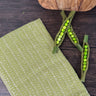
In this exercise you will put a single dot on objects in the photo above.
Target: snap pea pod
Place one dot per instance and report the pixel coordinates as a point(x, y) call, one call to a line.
point(71, 34)
point(74, 39)
point(85, 58)
point(62, 32)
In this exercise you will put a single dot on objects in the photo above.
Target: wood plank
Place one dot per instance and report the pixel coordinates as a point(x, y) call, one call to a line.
point(3, 89)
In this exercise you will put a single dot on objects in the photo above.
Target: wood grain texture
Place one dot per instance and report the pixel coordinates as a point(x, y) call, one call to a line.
point(15, 13)
point(77, 5)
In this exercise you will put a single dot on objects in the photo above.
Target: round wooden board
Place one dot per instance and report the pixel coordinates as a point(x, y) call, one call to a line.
point(68, 5)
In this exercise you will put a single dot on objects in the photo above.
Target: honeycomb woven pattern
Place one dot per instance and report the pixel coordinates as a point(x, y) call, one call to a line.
point(28, 67)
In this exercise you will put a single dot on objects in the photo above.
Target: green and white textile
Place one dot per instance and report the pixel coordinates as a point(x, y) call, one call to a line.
point(28, 67)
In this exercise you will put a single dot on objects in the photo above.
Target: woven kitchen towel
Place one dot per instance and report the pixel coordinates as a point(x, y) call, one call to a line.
point(28, 67)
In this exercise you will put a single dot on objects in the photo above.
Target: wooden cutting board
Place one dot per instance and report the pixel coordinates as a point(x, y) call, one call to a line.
point(68, 5)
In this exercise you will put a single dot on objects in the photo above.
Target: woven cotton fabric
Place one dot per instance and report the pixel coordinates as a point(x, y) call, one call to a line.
point(28, 67)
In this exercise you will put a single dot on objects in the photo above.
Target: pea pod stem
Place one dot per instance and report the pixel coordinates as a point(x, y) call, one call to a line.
point(63, 15)
point(79, 47)
point(84, 71)
point(83, 76)
point(70, 17)
point(85, 38)
point(55, 50)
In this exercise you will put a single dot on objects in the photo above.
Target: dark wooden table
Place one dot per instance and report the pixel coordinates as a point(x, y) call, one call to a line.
point(15, 13)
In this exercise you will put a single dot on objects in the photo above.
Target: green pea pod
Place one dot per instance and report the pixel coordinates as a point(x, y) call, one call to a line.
point(62, 32)
point(70, 32)
point(85, 58)
point(74, 39)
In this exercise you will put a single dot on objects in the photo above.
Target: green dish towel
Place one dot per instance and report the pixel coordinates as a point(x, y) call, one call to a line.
point(28, 67)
